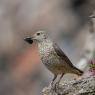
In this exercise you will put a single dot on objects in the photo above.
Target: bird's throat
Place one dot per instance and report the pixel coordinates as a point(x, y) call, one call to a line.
point(45, 48)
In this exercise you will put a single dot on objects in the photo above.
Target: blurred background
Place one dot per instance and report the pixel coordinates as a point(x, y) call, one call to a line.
point(66, 21)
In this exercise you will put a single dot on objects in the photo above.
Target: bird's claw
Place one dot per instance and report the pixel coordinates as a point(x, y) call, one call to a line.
point(56, 86)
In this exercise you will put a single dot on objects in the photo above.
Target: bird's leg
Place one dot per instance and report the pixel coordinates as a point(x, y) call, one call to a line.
point(57, 83)
point(59, 79)
point(51, 85)
point(52, 82)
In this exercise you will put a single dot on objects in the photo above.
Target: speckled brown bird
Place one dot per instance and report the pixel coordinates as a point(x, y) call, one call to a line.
point(52, 56)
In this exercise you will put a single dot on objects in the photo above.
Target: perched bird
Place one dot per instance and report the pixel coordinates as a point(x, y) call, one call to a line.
point(52, 56)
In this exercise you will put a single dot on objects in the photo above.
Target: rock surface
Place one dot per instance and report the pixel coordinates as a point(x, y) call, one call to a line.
point(84, 86)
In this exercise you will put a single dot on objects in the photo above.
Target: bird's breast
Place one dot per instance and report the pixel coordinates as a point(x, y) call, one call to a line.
point(48, 55)
point(45, 49)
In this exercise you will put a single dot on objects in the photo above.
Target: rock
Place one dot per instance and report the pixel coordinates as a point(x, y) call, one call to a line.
point(84, 86)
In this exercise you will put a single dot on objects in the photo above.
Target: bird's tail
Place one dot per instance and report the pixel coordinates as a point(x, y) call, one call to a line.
point(77, 71)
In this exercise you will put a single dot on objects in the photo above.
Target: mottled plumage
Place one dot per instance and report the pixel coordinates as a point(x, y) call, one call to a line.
point(53, 57)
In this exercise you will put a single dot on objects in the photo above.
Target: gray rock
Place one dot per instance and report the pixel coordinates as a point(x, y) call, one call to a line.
point(84, 86)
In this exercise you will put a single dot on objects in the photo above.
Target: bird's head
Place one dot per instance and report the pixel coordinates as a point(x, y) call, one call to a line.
point(38, 36)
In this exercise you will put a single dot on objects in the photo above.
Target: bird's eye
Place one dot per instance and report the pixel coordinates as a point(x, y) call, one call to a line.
point(38, 34)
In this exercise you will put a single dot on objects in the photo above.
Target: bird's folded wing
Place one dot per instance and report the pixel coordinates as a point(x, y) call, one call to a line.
point(62, 54)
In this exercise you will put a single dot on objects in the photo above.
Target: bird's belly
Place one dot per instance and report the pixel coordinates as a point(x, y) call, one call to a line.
point(53, 64)
point(49, 60)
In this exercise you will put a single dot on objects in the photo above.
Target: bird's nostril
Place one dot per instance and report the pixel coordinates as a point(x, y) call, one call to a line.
point(28, 40)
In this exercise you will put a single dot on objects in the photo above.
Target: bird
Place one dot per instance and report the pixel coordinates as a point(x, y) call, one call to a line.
point(52, 56)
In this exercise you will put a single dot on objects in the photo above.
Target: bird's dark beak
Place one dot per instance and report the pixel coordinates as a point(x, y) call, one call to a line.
point(28, 40)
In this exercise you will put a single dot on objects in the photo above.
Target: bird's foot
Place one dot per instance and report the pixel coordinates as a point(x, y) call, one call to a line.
point(52, 86)
point(56, 86)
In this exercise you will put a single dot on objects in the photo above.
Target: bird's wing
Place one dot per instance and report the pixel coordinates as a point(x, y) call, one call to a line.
point(66, 59)
point(62, 54)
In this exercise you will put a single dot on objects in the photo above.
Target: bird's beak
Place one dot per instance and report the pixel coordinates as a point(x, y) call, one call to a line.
point(29, 40)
